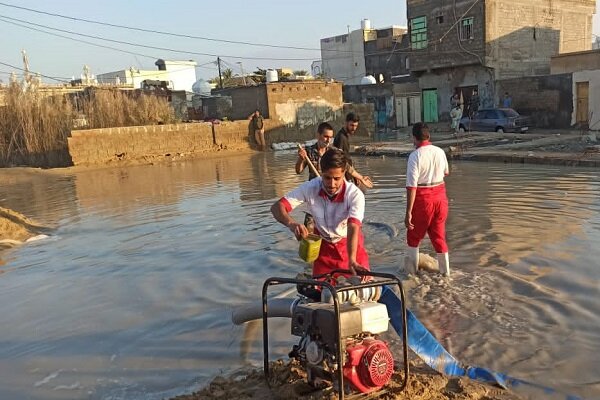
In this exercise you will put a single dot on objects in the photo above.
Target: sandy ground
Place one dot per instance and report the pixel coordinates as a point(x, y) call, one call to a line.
point(557, 147)
point(288, 382)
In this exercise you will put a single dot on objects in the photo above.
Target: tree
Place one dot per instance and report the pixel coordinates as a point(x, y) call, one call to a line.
point(301, 72)
point(227, 74)
point(260, 75)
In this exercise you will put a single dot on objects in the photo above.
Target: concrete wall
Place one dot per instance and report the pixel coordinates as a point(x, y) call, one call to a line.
point(245, 100)
point(97, 146)
point(445, 81)
point(182, 74)
point(343, 57)
point(451, 51)
point(522, 35)
point(548, 99)
point(593, 77)
point(573, 62)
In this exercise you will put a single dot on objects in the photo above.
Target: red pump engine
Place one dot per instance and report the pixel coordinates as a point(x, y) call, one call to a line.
point(369, 365)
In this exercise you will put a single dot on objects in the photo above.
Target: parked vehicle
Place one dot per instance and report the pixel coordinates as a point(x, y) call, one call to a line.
point(495, 120)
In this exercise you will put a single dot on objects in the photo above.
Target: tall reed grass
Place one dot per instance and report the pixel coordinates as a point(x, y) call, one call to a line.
point(34, 125)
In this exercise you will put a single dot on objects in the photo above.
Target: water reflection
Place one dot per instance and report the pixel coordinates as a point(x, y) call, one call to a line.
point(130, 297)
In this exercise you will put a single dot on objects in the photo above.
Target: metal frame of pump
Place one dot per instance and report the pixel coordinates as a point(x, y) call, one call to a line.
point(388, 279)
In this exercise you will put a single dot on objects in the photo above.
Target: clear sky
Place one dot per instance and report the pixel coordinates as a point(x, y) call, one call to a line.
point(300, 24)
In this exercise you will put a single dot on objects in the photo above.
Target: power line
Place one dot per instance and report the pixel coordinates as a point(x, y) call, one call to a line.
point(77, 40)
point(151, 47)
point(96, 44)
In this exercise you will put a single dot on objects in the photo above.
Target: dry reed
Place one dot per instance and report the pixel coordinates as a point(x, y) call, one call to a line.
point(34, 126)
point(112, 108)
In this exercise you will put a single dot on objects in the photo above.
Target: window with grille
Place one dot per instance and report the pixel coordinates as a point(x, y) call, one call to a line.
point(418, 33)
point(466, 29)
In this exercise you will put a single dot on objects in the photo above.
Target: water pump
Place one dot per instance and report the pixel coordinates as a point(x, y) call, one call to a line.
point(339, 344)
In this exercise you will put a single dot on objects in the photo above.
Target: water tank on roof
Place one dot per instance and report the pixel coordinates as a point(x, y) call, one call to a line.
point(368, 80)
point(201, 87)
point(365, 24)
point(272, 75)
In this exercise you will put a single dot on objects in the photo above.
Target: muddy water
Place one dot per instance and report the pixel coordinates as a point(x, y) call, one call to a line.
point(130, 297)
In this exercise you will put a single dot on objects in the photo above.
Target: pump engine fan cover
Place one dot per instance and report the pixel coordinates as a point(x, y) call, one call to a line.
point(369, 366)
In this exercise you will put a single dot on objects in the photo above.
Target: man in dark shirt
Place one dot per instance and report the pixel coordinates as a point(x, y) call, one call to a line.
point(258, 128)
point(342, 141)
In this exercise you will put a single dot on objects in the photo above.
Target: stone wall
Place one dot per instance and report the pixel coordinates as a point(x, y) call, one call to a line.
point(548, 99)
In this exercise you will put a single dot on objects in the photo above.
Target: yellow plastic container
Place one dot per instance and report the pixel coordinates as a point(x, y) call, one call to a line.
point(309, 248)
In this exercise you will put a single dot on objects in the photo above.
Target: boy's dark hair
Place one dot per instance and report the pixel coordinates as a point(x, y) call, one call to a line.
point(334, 158)
point(351, 117)
point(420, 131)
point(324, 126)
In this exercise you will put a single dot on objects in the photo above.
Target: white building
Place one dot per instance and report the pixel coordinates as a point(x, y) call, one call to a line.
point(179, 75)
point(343, 56)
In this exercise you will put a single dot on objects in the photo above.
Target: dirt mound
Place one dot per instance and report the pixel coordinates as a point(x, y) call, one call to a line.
point(288, 382)
point(16, 228)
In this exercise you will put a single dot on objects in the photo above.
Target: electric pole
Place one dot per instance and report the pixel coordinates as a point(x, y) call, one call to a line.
point(220, 77)
point(242, 69)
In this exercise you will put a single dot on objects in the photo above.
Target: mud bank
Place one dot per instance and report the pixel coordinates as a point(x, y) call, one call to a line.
point(288, 382)
point(16, 228)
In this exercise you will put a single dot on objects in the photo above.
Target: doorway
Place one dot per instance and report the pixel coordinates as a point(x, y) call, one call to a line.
point(582, 106)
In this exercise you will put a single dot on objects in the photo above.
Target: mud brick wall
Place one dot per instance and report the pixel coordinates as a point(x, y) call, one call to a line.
point(233, 135)
point(97, 146)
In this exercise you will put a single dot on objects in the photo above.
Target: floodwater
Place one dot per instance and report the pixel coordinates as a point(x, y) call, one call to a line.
point(130, 297)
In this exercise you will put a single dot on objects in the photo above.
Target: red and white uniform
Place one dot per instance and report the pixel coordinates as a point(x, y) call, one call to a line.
point(332, 216)
point(427, 167)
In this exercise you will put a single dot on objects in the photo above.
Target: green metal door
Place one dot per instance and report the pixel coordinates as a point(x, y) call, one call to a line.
point(430, 102)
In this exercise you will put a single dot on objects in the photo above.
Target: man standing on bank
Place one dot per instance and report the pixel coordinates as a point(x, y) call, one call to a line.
point(257, 126)
point(426, 201)
point(342, 142)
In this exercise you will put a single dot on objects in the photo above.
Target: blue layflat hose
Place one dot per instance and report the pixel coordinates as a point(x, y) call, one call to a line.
point(425, 345)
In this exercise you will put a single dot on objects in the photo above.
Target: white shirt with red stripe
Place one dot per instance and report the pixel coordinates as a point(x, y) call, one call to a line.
point(331, 215)
point(427, 166)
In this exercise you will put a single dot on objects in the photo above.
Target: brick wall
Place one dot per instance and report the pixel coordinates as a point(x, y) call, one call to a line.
point(96, 146)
